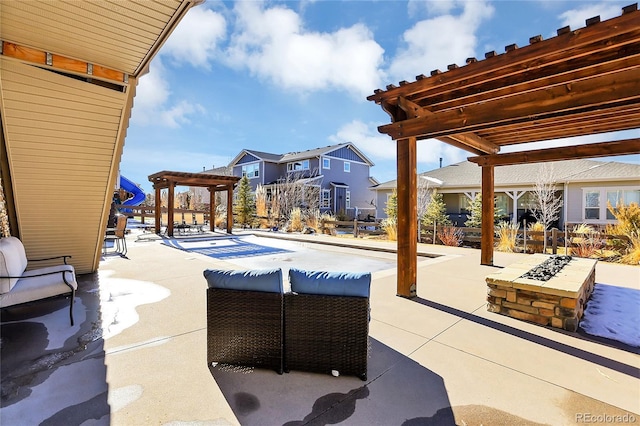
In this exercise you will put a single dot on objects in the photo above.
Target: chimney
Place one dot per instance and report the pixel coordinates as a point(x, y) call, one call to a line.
point(440, 162)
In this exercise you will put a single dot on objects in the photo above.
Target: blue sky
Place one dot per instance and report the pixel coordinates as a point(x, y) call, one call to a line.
point(290, 76)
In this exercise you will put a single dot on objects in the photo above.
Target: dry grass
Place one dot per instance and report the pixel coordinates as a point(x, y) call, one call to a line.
point(633, 255)
point(536, 227)
point(390, 227)
point(261, 207)
point(295, 221)
point(628, 224)
point(451, 236)
point(507, 236)
point(588, 243)
point(221, 220)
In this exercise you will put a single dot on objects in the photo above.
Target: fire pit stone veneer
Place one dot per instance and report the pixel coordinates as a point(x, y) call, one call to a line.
point(558, 302)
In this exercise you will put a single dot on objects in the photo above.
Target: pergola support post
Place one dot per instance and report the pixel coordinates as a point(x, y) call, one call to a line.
point(407, 217)
point(170, 202)
point(158, 211)
point(486, 241)
point(212, 209)
point(229, 209)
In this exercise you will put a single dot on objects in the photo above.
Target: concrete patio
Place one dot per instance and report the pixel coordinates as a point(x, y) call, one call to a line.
point(136, 355)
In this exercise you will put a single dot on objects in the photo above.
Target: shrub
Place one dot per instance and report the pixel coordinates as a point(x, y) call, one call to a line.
point(295, 220)
point(633, 253)
point(451, 236)
point(507, 236)
point(390, 227)
point(261, 207)
point(628, 224)
point(327, 225)
point(588, 243)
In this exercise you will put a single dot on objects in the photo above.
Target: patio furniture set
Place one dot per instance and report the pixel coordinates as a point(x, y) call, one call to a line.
point(321, 325)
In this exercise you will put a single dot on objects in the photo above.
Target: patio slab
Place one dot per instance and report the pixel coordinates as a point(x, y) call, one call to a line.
point(138, 353)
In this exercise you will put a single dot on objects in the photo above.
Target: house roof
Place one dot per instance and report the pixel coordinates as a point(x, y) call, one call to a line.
point(299, 155)
point(468, 175)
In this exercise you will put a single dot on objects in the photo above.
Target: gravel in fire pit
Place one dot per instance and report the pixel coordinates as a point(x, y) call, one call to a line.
point(547, 269)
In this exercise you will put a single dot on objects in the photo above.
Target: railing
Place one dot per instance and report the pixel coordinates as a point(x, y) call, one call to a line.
point(180, 215)
point(356, 227)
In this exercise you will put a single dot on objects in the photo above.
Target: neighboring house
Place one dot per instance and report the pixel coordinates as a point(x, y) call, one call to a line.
point(340, 175)
point(584, 185)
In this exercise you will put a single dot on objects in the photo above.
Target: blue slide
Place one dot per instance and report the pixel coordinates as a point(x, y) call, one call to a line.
point(138, 193)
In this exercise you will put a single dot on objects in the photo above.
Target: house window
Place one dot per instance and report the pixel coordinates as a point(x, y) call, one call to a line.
point(251, 171)
point(501, 205)
point(592, 205)
point(347, 200)
point(617, 197)
point(326, 163)
point(465, 204)
point(326, 198)
point(298, 166)
point(347, 167)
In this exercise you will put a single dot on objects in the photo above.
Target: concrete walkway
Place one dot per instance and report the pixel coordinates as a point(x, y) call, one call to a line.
point(137, 353)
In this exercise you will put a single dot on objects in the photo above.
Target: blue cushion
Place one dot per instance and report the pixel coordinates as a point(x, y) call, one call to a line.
point(330, 283)
point(267, 280)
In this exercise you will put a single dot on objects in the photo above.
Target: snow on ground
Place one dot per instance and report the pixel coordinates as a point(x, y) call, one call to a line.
point(614, 313)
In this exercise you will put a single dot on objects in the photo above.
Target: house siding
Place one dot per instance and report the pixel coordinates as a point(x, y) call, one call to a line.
point(345, 153)
point(247, 158)
point(575, 203)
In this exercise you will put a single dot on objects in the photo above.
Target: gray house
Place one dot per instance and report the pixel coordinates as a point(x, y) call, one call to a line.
point(585, 187)
point(339, 173)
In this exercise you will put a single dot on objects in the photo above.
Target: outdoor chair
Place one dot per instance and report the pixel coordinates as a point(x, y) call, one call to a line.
point(118, 236)
point(327, 322)
point(20, 286)
point(245, 318)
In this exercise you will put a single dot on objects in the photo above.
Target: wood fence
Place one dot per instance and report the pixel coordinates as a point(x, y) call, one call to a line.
point(534, 240)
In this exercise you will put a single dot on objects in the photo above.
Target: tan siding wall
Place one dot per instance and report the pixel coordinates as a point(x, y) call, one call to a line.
point(61, 136)
point(117, 33)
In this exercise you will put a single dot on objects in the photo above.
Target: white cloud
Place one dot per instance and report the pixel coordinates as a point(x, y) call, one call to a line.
point(381, 147)
point(274, 45)
point(437, 42)
point(366, 137)
point(151, 105)
point(575, 18)
point(415, 7)
point(195, 40)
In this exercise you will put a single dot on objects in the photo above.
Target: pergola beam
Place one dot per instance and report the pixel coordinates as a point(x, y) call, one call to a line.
point(467, 141)
point(597, 93)
point(602, 149)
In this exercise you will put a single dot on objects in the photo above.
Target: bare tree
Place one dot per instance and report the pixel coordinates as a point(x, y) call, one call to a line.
point(545, 205)
point(423, 196)
point(296, 190)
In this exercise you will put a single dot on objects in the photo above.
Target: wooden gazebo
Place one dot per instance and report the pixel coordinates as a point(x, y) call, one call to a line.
point(578, 83)
point(214, 183)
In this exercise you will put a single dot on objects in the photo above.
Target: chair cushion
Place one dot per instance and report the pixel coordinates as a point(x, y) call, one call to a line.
point(265, 280)
point(33, 286)
point(330, 283)
point(13, 262)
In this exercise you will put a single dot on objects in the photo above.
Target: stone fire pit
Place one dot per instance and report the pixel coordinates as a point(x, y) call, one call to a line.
point(556, 299)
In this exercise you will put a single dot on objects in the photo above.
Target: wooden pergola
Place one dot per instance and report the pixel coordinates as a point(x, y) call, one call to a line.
point(214, 183)
point(578, 83)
